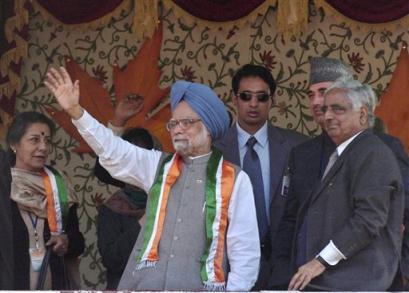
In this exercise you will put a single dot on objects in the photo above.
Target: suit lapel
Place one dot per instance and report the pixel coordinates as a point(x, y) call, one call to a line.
point(313, 156)
point(337, 166)
point(230, 142)
point(278, 158)
point(328, 178)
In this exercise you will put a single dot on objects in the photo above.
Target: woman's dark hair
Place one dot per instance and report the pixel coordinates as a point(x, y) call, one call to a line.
point(23, 121)
point(20, 125)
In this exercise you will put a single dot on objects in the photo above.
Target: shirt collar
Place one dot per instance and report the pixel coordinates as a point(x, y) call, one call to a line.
point(199, 156)
point(261, 135)
point(341, 148)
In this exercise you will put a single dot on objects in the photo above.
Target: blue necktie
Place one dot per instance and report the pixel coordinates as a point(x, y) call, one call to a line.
point(251, 165)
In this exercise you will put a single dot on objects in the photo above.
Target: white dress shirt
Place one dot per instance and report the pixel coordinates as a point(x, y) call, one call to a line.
point(331, 254)
point(262, 150)
point(124, 161)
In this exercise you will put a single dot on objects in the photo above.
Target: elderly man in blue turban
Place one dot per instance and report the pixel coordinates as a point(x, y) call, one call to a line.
point(201, 226)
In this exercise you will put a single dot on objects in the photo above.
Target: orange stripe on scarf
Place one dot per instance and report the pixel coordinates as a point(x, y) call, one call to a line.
point(227, 184)
point(173, 174)
point(51, 216)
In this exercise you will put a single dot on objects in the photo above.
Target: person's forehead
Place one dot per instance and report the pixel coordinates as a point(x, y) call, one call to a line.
point(183, 110)
point(38, 129)
point(320, 85)
point(337, 96)
point(252, 83)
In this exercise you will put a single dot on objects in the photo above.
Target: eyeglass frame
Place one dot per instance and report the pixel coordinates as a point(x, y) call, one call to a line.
point(184, 123)
point(246, 96)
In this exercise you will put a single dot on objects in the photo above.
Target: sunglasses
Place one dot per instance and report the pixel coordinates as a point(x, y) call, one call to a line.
point(261, 96)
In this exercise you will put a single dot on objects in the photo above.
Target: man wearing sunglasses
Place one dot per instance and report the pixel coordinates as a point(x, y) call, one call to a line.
point(200, 230)
point(253, 89)
point(307, 164)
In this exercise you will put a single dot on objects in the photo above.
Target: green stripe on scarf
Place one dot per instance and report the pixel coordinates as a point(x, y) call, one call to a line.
point(210, 214)
point(62, 194)
point(153, 200)
point(210, 196)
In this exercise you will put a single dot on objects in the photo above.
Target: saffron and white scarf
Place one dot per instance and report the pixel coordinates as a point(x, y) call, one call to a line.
point(220, 176)
point(44, 194)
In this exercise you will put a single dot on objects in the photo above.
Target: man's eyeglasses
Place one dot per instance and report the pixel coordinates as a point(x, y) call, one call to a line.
point(183, 123)
point(261, 96)
point(336, 109)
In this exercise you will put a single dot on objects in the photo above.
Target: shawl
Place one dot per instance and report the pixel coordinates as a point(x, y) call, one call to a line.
point(47, 194)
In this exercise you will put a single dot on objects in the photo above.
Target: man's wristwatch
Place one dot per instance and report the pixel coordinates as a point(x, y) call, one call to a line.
point(322, 261)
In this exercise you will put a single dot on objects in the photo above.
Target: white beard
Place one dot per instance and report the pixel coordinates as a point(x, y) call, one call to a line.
point(181, 146)
point(190, 147)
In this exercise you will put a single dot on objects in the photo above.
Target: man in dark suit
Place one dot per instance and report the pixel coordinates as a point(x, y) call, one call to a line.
point(253, 88)
point(353, 217)
point(6, 243)
point(307, 163)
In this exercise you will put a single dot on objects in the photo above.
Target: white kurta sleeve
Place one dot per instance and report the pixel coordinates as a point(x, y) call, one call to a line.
point(243, 245)
point(123, 160)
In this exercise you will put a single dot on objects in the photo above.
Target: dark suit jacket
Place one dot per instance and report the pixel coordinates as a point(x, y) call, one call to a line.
point(307, 163)
point(280, 143)
point(359, 206)
point(6, 248)
point(396, 146)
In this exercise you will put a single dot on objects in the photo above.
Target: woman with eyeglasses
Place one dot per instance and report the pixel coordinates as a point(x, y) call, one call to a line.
point(44, 209)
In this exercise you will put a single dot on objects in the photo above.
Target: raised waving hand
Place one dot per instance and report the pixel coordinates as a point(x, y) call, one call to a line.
point(65, 91)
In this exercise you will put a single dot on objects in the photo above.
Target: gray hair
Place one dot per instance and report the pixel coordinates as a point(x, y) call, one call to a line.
point(359, 94)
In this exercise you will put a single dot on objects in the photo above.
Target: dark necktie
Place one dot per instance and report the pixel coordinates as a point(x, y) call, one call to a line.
point(251, 165)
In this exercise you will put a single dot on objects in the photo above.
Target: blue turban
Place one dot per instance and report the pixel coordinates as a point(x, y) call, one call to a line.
point(204, 102)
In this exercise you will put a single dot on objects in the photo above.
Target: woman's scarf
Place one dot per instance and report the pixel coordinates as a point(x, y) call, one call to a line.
point(44, 194)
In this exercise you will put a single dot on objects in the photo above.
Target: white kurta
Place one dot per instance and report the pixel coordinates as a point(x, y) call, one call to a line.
point(138, 166)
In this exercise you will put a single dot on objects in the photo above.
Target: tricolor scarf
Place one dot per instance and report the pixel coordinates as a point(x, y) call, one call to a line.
point(220, 176)
point(57, 199)
point(43, 193)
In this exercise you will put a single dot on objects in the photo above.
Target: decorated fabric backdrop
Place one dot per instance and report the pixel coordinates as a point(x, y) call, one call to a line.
point(198, 53)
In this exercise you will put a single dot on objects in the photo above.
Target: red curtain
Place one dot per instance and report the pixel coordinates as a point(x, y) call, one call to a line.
point(219, 10)
point(368, 11)
point(371, 11)
point(79, 11)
